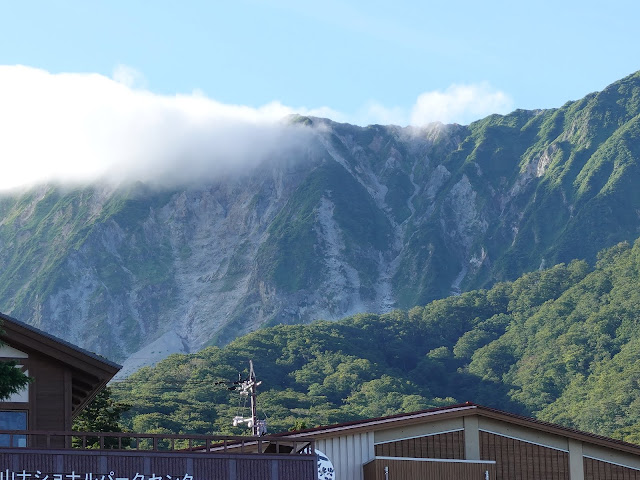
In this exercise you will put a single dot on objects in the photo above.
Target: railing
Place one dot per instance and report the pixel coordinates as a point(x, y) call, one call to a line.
point(146, 456)
point(149, 442)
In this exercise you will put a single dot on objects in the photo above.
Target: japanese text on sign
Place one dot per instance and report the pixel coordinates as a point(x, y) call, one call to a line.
point(38, 475)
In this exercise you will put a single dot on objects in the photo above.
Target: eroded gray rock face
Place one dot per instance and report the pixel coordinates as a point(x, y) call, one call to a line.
point(175, 278)
point(158, 272)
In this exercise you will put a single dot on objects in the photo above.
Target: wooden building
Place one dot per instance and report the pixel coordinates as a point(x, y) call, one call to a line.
point(65, 378)
point(470, 442)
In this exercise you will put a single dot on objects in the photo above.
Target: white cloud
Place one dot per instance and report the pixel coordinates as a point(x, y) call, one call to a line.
point(77, 128)
point(459, 104)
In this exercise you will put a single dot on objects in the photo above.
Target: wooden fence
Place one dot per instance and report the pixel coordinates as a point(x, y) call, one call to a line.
point(128, 456)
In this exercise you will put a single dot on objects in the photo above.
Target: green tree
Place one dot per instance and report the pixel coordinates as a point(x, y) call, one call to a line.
point(101, 415)
point(12, 379)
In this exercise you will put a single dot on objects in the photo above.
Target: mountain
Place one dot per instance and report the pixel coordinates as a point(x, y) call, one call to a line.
point(351, 220)
point(561, 344)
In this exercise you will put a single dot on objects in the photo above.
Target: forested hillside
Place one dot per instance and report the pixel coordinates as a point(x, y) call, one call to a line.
point(560, 344)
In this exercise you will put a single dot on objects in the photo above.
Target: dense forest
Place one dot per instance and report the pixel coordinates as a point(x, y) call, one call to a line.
point(560, 344)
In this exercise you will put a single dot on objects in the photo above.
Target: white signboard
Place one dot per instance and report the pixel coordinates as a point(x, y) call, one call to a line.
point(325, 467)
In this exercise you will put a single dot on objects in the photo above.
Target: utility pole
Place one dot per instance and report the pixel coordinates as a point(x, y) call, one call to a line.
point(254, 406)
point(249, 388)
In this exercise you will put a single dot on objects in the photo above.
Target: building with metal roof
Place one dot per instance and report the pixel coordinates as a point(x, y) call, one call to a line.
point(470, 442)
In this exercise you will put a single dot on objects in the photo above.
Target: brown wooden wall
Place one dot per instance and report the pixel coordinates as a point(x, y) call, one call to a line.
point(598, 470)
point(523, 460)
point(126, 465)
point(417, 470)
point(50, 385)
point(49, 406)
point(445, 445)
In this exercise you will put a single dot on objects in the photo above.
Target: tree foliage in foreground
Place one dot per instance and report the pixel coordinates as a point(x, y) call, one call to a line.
point(103, 414)
point(12, 379)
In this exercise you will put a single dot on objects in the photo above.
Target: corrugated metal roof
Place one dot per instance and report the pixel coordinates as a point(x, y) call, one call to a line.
point(460, 410)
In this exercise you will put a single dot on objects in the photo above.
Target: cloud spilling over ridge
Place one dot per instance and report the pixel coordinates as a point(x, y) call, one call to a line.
point(78, 128)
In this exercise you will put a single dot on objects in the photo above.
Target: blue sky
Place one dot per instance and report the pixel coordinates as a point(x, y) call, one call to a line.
point(335, 54)
point(360, 62)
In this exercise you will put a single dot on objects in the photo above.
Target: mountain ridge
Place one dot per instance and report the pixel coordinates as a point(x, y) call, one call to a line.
point(354, 219)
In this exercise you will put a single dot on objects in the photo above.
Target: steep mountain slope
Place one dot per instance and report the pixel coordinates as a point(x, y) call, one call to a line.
point(355, 219)
point(363, 366)
point(561, 344)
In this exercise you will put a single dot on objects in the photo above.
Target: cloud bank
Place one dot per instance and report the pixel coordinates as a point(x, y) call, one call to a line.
point(78, 128)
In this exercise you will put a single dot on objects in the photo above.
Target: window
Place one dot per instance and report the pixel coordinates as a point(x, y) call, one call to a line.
point(13, 420)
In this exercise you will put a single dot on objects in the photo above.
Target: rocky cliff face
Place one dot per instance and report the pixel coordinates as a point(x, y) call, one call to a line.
point(355, 219)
